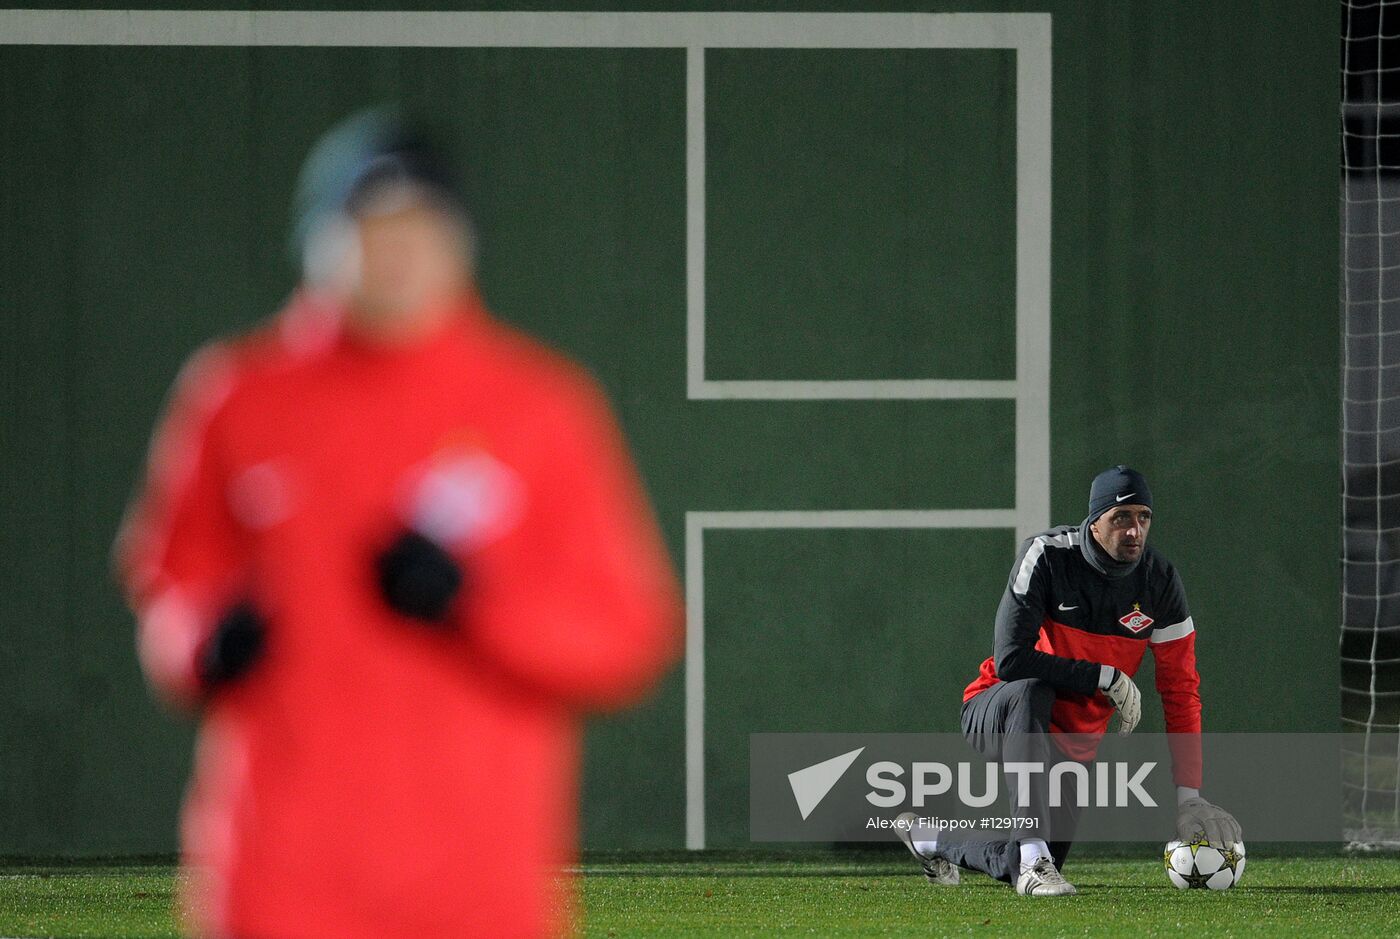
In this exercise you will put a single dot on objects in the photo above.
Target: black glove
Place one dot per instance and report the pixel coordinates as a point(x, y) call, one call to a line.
point(232, 648)
point(418, 578)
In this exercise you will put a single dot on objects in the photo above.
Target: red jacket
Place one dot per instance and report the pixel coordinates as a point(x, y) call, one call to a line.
point(370, 777)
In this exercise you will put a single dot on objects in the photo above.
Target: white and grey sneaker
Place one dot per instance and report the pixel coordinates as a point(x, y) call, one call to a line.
point(1042, 879)
point(938, 870)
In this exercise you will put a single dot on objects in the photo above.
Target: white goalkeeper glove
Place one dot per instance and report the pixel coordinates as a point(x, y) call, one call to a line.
point(1127, 699)
point(1196, 817)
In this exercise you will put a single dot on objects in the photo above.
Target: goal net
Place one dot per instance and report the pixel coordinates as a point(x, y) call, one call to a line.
point(1370, 311)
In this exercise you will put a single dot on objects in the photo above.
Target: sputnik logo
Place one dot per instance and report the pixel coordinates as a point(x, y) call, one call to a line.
point(811, 785)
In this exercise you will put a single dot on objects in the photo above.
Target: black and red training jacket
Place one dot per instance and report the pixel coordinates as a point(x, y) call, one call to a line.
point(1061, 618)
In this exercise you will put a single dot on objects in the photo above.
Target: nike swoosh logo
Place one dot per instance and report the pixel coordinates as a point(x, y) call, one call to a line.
point(1068, 608)
point(1121, 498)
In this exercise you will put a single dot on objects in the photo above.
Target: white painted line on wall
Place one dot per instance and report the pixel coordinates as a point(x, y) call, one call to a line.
point(386, 29)
point(696, 523)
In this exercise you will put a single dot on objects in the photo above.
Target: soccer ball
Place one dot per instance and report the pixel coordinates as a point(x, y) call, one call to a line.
point(1196, 864)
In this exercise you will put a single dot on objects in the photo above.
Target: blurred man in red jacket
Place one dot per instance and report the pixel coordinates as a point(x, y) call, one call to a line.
point(393, 549)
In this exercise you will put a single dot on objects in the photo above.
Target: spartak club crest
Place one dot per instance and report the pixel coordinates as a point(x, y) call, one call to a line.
point(1137, 620)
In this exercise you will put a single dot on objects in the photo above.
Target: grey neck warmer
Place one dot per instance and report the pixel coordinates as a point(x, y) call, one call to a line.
point(1099, 559)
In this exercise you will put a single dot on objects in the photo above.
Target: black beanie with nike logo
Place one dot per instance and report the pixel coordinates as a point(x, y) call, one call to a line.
point(1118, 485)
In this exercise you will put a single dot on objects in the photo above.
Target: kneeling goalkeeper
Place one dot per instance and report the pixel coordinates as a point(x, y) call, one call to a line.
point(1082, 606)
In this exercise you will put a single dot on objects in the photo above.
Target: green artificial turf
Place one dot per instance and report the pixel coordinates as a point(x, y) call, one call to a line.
point(73, 901)
point(1312, 896)
point(875, 894)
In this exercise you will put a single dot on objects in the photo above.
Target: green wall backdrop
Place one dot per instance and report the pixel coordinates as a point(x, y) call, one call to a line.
point(861, 225)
